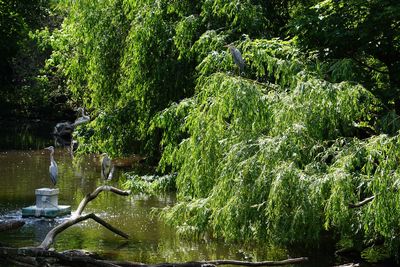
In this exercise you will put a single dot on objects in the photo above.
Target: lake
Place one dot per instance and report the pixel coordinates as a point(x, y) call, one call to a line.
point(24, 167)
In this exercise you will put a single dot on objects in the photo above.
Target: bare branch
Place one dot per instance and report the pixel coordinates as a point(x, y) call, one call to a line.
point(61, 227)
point(213, 263)
point(77, 217)
point(8, 253)
point(66, 257)
point(361, 203)
point(89, 197)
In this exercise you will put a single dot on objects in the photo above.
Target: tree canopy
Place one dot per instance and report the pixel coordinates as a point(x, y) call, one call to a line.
point(303, 143)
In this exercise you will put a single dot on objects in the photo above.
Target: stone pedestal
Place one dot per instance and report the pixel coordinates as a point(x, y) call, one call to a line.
point(47, 198)
point(46, 204)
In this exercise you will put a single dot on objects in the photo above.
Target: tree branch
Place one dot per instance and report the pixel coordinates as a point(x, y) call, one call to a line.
point(81, 257)
point(77, 217)
point(89, 197)
point(361, 203)
point(215, 263)
point(368, 66)
point(49, 239)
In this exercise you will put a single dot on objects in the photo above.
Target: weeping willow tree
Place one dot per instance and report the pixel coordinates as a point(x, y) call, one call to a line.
point(280, 155)
point(127, 60)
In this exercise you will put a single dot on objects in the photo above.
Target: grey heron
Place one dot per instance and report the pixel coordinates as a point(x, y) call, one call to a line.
point(237, 57)
point(106, 167)
point(83, 119)
point(53, 169)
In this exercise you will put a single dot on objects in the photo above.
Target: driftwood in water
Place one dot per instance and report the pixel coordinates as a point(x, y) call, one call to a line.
point(11, 225)
point(24, 256)
point(43, 255)
point(78, 217)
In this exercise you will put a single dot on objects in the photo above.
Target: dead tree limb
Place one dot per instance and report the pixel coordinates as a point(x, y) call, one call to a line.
point(11, 254)
point(61, 227)
point(66, 258)
point(213, 263)
point(77, 217)
point(348, 265)
point(89, 197)
point(362, 202)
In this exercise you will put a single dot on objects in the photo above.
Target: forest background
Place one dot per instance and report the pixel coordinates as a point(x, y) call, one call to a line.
point(302, 144)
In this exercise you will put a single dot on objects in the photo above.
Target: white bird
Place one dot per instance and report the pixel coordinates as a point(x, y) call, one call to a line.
point(53, 168)
point(107, 169)
point(81, 120)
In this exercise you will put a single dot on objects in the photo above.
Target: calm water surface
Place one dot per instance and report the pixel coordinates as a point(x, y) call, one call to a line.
point(22, 171)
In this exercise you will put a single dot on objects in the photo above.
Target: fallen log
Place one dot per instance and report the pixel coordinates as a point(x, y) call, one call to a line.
point(84, 259)
point(11, 225)
point(213, 263)
point(348, 265)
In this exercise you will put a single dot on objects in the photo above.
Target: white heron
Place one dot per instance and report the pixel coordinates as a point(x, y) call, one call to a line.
point(53, 168)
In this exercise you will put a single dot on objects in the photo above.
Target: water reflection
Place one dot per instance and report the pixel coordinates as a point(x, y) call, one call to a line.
point(28, 135)
point(150, 241)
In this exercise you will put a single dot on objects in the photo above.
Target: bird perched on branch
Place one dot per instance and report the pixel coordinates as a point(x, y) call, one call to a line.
point(53, 168)
point(237, 57)
point(107, 169)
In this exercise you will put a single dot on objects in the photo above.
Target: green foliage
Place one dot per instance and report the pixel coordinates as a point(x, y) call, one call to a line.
point(366, 32)
point(23, 89)
point(125, 61)
point(256, 148)
point(150, 184)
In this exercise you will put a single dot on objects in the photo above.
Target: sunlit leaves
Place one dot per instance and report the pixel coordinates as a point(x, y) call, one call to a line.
point(250, 165)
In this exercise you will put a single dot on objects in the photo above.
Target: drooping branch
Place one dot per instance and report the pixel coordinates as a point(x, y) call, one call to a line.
point(362, 202)
point(77, 217)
